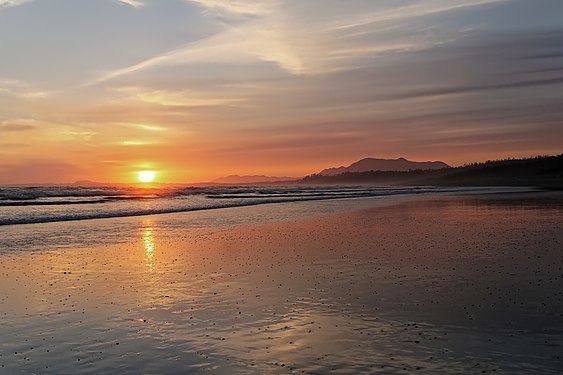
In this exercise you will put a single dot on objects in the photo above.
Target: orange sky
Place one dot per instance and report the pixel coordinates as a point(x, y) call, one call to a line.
point(198, 89)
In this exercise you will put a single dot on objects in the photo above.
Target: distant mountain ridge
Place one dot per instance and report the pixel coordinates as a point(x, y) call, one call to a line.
point(386, 165)
point(539, 171)
point(236, 179)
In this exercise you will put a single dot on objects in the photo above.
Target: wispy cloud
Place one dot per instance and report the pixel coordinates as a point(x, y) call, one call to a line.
point(238, 7)
point(22, 89)
point(453, 90)
point(9, 3)
point(8, 84)
point(246, 45)
point(15, 127)
point(183, 98)
point(409, 11)
point(73, 134)
point(133, 3)
point(151, 128)
point(167, 98)
point(281, 35)
point(136, 142)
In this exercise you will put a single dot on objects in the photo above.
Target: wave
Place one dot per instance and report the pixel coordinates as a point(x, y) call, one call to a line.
point(72, 195)
point(45, 206)
point(49, 203)
point(117, 214)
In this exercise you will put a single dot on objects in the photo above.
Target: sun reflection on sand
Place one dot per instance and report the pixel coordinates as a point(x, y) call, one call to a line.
point(147, 236)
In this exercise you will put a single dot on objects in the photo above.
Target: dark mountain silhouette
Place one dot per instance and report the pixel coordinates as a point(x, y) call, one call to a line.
point(542, 171)
point(236, 179)
point(373, 164)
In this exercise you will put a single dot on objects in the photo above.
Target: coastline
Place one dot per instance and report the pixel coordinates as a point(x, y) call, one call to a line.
point(443, 284)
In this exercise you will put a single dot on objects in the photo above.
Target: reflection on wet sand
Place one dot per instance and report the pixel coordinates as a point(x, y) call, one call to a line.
point(147, 237)
point(437, 286)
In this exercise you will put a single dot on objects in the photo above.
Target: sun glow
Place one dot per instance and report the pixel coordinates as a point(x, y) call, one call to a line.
point(146, 176)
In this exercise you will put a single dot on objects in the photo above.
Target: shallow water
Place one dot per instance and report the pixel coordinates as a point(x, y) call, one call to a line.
point(444, 285)
point(30, 205)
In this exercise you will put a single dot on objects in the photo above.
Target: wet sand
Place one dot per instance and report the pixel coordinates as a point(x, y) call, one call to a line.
point(469, 284)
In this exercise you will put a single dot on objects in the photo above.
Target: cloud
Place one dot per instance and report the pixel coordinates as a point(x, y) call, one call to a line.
point(10, 3)
point(136, 143)
point(9, 84)
point(15, 127)
point(411, 10)
point(452, 90)
point(238, 7)
point(73, 134)
point(22, 89)
point(133, 3)
point(246, 45)
point(183, 98)
point(151, 128)
point(283, 34)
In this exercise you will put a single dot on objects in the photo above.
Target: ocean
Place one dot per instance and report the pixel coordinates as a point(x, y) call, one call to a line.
point(30, 205)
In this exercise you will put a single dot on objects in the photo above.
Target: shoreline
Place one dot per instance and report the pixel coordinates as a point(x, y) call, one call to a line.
point(149, 212)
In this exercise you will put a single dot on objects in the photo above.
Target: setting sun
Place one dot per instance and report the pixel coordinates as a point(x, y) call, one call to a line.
point(146, 176)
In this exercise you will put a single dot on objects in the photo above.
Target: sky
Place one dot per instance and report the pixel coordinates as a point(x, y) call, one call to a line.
point(197, 89)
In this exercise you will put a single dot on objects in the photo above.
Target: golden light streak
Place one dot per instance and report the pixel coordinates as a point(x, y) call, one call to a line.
point(147, 237)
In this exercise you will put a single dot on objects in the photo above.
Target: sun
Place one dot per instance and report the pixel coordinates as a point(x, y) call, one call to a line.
point(146, 176)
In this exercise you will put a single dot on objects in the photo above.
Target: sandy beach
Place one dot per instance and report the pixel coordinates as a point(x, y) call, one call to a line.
point(444, 285)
